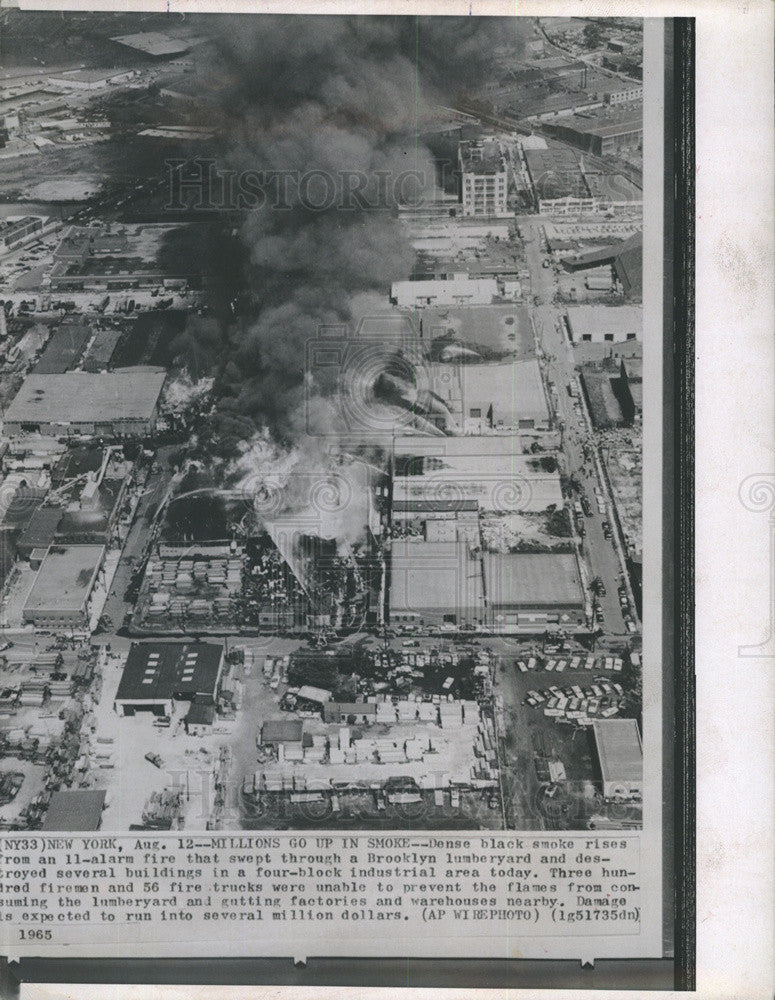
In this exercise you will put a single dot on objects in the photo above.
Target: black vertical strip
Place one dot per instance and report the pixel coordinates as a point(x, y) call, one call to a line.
point(670, 858)
point(683, 154)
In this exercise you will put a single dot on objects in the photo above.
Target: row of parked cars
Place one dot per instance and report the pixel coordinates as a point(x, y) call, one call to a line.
point(600, 700)
point(611, 663)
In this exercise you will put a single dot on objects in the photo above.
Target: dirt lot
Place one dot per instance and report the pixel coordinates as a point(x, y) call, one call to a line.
point(529, 733)
point(32, 784)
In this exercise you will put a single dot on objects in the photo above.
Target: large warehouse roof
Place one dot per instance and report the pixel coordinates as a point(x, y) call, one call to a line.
point(282, 731)
point(157, 671)
point(532, 579)
point(77, 809)
point(619, 749)
point(433, 575)
point(64, 349)
point(515, 388)
point(65, 578)
point(154, 43)
point(597, 321)
point(85, 397)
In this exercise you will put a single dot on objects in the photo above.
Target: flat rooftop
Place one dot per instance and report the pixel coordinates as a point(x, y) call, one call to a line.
point(89, 75)
point(619, 749)
point(532, 579)
point(482, 157)
point(65, 578)
point(434, 576)
point(157, 671)
point(87, 397)
point(282, 731)
point(598, 321)
point(154, 43)
point(78, 809)
point(64, 350)
point(500, 329)
point(513, 388)
point(490, 481)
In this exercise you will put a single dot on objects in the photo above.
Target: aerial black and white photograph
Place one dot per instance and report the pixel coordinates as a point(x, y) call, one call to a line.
point(322, 402)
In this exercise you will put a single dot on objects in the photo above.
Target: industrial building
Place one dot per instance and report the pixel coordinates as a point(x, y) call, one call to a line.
point(110, 257)
point(63, 587)
point(604, 324)
point(89, 79)
point(483, 178)
point(484, 330)
point(159, 674)
point(64, 349)
point(533, 591)
point(435, 583)
point(350, 713)
point(455, 290)
point(624, 257)
point(154, 44)
point(101, 350)
point(604, 131)
point(105, 274)
point(41, 531)
point(288, 732)
point(14, 231)
point(554, 172)
point(488, 474)
point(625, 94)
point(493, 397)
point(72, 404)
point(614, 398)
point(620, 757)
point(75, 810)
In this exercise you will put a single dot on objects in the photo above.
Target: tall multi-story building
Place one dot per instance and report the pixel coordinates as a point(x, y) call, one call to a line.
point(483, 177)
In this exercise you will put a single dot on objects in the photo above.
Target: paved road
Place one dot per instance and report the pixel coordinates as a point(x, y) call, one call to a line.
point(599, 552)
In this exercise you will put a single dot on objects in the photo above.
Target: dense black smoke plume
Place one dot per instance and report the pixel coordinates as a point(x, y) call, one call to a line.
point(339, 101)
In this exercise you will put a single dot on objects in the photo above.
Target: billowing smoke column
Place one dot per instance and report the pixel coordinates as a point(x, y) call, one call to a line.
point(322, 115)
point(327, 110)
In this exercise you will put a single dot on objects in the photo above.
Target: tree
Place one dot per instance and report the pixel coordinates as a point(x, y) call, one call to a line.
point(593, 35)
point(596, 585)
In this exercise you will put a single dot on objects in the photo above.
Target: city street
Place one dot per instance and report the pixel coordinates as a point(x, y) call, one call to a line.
point(599, 552)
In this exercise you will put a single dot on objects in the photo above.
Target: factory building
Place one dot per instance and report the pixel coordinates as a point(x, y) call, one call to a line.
point(14, 232)
point(455, 290)
point(619, 757)
point(84, 404)
point(62, 589)
point(624, 95)
point(604, 131)
point(481, 398)
point(624, 257)
point(533, 591)
point(64, 349)
point(89, 79)
point(154, 44)
point(491, 475)
point(75, 810)
point(483, 178)
point(286, 732)
point(435, 583)
point(604, 324)
point(159, 674)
